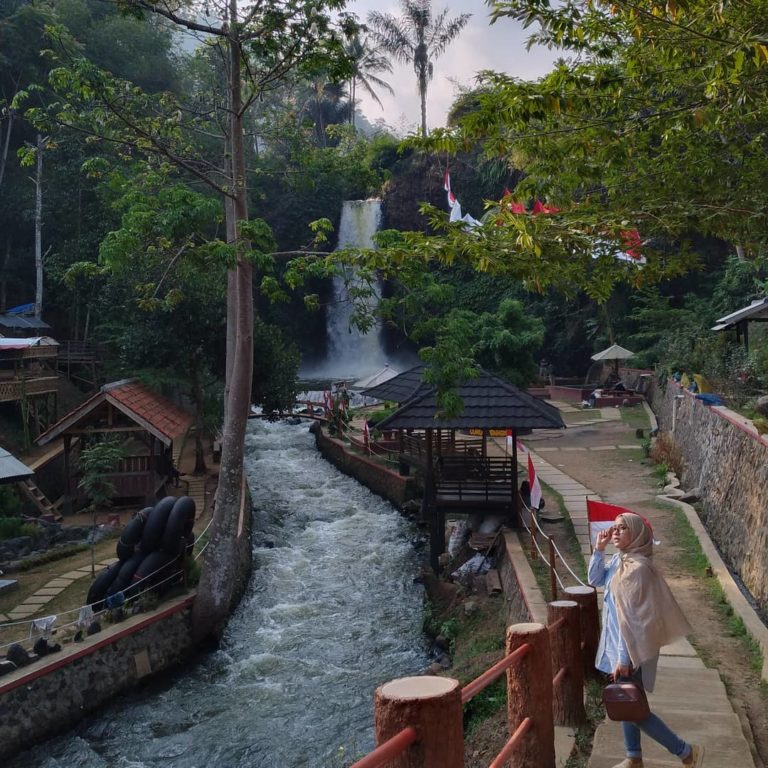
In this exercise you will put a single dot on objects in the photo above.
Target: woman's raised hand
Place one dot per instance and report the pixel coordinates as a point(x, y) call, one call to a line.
point(603, 537)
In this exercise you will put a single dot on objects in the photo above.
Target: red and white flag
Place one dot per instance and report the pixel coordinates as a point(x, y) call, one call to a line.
point(533, 481)
point(601, 516)
point(447, 188)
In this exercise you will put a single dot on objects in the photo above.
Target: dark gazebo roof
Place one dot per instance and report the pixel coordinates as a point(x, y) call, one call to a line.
point(401, 388)
point(489, 403)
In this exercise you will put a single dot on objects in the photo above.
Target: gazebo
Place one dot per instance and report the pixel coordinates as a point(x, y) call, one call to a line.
point(756, 312)
point(459, 474)
point(151, 427)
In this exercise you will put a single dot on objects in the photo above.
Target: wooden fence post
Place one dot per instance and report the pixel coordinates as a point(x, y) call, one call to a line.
point(431, 705)
point(529, 694)
point(568, 682)
point(589, 618)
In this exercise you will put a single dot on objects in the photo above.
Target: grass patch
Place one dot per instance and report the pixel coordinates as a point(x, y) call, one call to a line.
point(693, 560)
point(635, 417)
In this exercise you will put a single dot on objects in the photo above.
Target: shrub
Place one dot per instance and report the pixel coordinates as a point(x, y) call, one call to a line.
point(665, 451)
point(11, 527)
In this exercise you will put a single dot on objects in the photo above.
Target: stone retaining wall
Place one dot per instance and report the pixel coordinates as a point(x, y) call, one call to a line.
point(55, 692)
point(385, 482)
point(728, 462)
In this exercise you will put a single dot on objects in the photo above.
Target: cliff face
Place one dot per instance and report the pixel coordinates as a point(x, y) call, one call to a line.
point(728, 462)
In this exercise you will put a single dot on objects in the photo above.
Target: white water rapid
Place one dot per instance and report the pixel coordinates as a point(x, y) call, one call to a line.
point(331, 612)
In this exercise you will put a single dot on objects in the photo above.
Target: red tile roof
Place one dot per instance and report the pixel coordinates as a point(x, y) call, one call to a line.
point(140, 402)
point(153, 412)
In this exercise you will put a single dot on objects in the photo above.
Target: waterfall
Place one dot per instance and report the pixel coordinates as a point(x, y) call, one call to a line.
point(352, 354)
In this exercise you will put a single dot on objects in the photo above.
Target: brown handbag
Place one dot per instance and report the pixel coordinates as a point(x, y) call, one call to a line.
point(625, 700)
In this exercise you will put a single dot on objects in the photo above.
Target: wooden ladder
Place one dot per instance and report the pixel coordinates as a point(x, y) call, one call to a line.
point(38, 498)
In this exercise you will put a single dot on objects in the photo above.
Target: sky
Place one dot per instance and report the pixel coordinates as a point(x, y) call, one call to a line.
point(480, 45)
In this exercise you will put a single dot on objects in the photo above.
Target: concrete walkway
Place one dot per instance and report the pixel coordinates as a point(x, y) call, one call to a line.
point(690, 698)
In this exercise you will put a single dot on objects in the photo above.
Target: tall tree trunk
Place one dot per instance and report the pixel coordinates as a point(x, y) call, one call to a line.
point(423, 95)
point(219, 578)
point(4, 275)
point(39, 230)
point(352, 89)
point(6, 142)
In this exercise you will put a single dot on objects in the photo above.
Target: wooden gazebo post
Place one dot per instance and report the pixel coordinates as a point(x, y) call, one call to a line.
point(437, 518)
point(516, 511)
point(67, 474)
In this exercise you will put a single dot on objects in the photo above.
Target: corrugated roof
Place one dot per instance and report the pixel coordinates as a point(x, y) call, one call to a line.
point(21, 321)
point(7, 342)
point(489, 403)
point(758, 308)
point(401, 388)
point(11, 469)
point(153, 412)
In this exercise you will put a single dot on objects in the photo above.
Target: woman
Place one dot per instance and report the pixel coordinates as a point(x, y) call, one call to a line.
point(640, 615)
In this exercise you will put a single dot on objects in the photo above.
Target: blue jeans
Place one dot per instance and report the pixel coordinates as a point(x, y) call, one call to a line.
point(654, 727)
point(658, 730)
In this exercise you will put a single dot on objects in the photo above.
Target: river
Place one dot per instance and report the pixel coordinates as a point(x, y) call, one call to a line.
point(332, 611)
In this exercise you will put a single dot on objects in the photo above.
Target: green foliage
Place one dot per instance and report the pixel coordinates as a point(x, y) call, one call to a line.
point(484, 705)
point(11, 527)
point(10, 504)
point(275, 371)
point(97, 461)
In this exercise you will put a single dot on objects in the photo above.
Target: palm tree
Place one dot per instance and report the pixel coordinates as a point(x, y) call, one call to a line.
point(416, 38)
point(365, 59)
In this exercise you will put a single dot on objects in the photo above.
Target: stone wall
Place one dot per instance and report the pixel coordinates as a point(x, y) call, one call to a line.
point(728, 462)
point(55, 692)
point(385, 482)
point(509, 558)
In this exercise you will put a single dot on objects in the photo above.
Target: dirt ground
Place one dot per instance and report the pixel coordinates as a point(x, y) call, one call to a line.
point(623, 477)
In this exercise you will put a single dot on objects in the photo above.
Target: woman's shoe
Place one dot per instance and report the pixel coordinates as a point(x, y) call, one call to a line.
point(696, 758)
point(630, 762)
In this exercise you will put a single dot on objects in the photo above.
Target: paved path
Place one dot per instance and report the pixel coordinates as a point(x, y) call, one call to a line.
point(35, 603)
point(688, 696)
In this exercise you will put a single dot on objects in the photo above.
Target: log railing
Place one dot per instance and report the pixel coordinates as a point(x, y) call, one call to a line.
point(419, 722)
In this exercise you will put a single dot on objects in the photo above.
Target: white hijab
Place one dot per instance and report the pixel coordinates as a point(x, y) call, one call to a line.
point(649, 616)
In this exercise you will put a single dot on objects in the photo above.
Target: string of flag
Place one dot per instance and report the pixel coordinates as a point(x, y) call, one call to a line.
point(630, 240)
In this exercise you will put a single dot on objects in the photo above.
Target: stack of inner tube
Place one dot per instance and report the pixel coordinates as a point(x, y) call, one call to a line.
point(151, 548)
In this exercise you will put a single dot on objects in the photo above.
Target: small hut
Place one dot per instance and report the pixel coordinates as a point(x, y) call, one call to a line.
point(152, 429)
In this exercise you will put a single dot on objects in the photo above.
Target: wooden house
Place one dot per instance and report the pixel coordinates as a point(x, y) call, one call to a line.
point(28, 377)
point(151, 429)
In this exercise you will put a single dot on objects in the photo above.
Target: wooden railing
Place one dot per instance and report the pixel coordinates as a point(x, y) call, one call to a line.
point(419, 720)
point(18, 389)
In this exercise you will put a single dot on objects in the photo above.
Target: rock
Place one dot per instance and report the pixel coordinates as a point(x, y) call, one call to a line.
point(434, 669)
point(18, 655)
point(411, 507)
point(691, 496)
point(314, 427)
point(761, 406)
point(444, 660)
point(442, 642)
point(470, 607)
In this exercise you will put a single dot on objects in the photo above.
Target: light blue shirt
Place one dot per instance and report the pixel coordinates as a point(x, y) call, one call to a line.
point(612, 650)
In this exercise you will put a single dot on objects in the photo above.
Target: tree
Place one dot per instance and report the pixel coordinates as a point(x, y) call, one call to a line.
point(258, 46)
point(417, 38)
point(656, 121)
point(367, 60)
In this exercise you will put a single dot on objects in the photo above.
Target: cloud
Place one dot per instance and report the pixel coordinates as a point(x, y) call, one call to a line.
point(480, 45)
